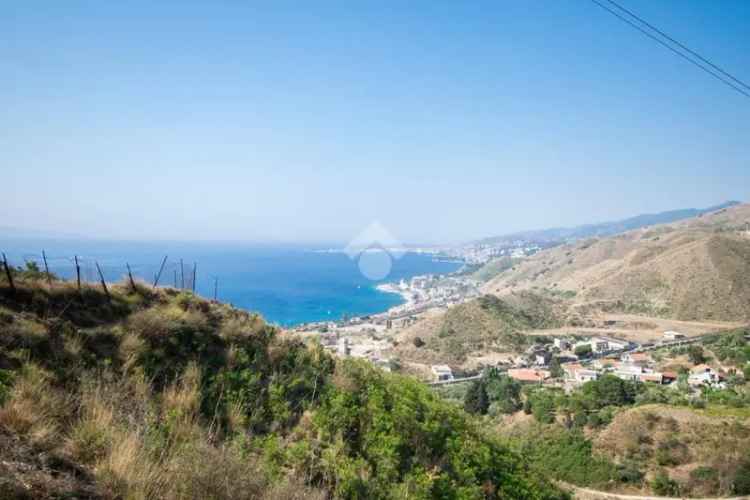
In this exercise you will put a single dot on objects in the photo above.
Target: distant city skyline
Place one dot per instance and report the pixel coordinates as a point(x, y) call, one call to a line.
point(446, 122)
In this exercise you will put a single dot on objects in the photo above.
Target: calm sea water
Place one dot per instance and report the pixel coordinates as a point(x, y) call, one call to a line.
point(288, 285)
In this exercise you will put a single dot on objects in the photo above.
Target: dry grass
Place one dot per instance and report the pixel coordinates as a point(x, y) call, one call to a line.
point(680, 441)
point(106, 398)
point(34, 409)
point(692, 270)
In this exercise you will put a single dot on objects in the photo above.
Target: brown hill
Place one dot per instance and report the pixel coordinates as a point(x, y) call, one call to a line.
point(487, 323)
point(690, 270)
point(700, 452)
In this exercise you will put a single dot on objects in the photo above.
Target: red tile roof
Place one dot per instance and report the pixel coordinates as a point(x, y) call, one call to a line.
point(528, 374)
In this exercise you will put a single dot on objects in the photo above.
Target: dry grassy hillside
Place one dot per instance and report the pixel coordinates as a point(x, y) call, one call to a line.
point(140, 394)
point(691, 270)
point(486, 323)
point(698, 451)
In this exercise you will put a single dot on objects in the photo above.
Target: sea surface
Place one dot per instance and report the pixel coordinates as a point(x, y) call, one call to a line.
point(288, 285)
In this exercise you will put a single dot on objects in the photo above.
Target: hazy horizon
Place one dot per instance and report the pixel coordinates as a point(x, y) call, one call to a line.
point(445, 122)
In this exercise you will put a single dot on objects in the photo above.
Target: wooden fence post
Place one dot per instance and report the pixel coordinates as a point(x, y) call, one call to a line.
point(216, 287)
point(9, 275)
point(46, 269)
point(130, 275)
point(195, 267)
point(104, 284)
point(78, 273)
point(182, 275)
point(156, 280)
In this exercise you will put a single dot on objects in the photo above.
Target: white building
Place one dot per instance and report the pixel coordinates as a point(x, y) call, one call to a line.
point(562, 344)
point(616, 345)
point(671, 336)
point(586, 375)
point(599, 345)
point(629, 372)
point(636, 358)
point(704, 375)
point(442, 372)
point(343, 348)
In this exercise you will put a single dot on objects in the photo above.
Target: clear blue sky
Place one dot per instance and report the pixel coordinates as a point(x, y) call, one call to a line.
point(443, 120)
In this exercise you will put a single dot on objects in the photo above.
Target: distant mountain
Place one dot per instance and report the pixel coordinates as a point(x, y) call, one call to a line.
point(605, 228)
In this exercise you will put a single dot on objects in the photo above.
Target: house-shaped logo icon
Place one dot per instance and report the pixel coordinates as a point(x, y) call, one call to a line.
point(375, 248)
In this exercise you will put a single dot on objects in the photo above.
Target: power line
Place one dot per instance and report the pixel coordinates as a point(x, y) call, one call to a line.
point(665, 44)
point(635, 16)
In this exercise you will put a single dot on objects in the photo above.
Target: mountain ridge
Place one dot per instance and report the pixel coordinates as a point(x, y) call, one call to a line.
point(607, 228)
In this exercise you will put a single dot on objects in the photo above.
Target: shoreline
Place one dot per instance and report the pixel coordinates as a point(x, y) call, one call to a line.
point(409, 303)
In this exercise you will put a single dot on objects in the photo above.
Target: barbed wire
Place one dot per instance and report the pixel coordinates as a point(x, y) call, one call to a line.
point(177, 273)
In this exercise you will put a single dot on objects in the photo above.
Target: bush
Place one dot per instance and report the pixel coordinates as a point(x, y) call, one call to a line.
point(503, 392)
point(663, 485)
point(542, 403)
point(696, 354)
point(6, 379)
point(567, 456)
point(387, 436)
point(583, 351)
point(741, 481)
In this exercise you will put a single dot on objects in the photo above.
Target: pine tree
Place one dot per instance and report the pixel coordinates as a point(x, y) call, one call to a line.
point(476, 400)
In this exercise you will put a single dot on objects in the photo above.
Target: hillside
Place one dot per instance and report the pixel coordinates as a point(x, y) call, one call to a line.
point(702, 453)
point(159, 394)
point(690, 270)
point(483, 324)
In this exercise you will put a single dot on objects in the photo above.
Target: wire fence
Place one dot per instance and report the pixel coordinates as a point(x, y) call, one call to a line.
point(171, 272)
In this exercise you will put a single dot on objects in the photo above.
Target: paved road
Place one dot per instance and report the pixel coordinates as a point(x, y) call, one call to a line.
point(456, 380)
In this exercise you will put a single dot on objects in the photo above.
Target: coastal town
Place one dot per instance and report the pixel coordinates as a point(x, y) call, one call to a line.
point(566, 360)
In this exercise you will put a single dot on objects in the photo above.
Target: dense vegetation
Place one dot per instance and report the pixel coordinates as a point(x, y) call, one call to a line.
point(152, 394)
point(623, 435)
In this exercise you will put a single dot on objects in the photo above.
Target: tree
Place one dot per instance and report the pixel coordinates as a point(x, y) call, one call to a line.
point(609, 390)
point(696, 355)
point(542, 406)
point(504, 392)
point(583, 350)
point(555, 367)
point(476, 400)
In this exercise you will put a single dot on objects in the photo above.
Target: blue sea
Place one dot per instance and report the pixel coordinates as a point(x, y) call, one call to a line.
point(288, 285)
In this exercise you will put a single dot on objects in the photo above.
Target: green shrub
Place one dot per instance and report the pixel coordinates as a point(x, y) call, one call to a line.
point(6, 380)
point(567, 456)
point(583, 351)
point(741, 480)
point(663, 485)
point(387, 436)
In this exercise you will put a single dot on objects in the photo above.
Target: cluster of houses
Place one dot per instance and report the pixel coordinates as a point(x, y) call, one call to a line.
point(632, 366)
point(638, 366)
point(608, 356)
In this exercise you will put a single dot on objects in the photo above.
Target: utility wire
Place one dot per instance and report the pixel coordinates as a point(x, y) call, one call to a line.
point(643, 21)
point(665, 44)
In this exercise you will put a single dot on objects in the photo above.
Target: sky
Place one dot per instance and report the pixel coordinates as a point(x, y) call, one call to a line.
point(306, 121)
